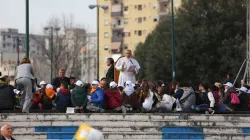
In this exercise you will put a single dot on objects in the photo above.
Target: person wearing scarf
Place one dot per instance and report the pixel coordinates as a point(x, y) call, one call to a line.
point(36, 101)
point(129, 96)
point(63, 99)
point(48, 97)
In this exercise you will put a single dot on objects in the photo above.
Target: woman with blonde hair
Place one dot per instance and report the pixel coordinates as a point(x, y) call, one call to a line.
point(24, 80)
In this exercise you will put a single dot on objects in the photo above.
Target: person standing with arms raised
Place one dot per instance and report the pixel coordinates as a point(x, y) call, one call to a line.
point(128, 68)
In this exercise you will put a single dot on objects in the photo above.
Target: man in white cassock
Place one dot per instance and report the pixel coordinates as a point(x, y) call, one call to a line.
point(128, 68)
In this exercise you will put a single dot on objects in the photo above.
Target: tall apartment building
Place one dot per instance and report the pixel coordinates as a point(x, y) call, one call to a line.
point(126, 23)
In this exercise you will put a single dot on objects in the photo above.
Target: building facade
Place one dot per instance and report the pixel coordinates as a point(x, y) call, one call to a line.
point(89, 56)
point(13, 43)
point(126, 23)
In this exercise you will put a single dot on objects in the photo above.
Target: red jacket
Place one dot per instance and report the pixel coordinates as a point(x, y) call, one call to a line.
point(113, 99)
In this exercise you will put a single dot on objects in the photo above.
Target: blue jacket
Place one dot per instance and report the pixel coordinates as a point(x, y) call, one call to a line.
point(98, 96)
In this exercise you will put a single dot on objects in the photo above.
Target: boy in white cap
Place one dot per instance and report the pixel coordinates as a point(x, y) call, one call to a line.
point(79, 98)
point(113, 98)
point(229, 89)
point(96, 98)
point(43, 87)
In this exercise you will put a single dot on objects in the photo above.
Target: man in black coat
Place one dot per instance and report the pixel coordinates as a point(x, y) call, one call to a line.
point(110, 74)
point(56, 82)
point(6, 132)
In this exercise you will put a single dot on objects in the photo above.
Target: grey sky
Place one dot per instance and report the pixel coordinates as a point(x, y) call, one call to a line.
point(12, 13)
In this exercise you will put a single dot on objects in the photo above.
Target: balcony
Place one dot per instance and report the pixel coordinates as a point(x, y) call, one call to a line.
point(116, 27)
point(116, 38)
point(117, 35)
point(117, 10)
point(164, 1)
point(116, 47)
point(164, 7)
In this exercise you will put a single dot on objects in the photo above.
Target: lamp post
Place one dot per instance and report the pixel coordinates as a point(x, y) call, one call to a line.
point(173, 47)
point(104, 7)
point(51, 48)
point(27, 30)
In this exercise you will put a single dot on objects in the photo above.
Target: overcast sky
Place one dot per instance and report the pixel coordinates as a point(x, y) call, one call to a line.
point(12, 13)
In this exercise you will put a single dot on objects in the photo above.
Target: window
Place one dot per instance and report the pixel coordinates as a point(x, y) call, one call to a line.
point(144, 18)
point(125, 46)
point(106, 47)
point(155, 6)
point(139, 20)
point(135, 32)
point(126, 8)
point(106, 35)
point(139, 33)
point(106, 22)
point(126, 34)
point(125, 21)
point(155, 19)
point(3, 38)
point(118, 22)
point(106, 11)
point(9, 36)
point(139, 7)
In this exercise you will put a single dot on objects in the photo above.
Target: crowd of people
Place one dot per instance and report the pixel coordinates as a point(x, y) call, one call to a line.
point(127, 94)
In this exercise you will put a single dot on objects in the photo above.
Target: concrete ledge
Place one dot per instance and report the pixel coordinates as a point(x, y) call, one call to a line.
point(206, 130)
point(120, 117)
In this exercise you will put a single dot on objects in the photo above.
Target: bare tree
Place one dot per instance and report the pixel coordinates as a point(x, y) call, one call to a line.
point(68, 43)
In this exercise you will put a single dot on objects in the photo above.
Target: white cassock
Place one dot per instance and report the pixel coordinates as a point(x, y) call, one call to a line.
point(126, 73)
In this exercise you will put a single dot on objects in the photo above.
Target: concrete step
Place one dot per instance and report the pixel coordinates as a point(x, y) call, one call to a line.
point(120, 117)
point(130, 123)
point(138, 135)
point(216, 130)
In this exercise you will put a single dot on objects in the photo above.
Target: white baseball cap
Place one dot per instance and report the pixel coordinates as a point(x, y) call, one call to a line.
point(79, 83)
point(228, 84)
point(244, 89)
point(112, 84)
point(95, 82)
point(49, 86)
point(42, 83)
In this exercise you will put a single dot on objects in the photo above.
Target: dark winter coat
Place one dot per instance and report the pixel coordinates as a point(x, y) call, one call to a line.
point(3, 138)
point(110, 74)
point(79, 96)
point(63, 99)
point(243, 106)
point(7, 97)
point(56, 82)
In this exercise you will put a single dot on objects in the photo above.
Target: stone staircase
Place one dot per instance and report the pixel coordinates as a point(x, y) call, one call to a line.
point(131, 126)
